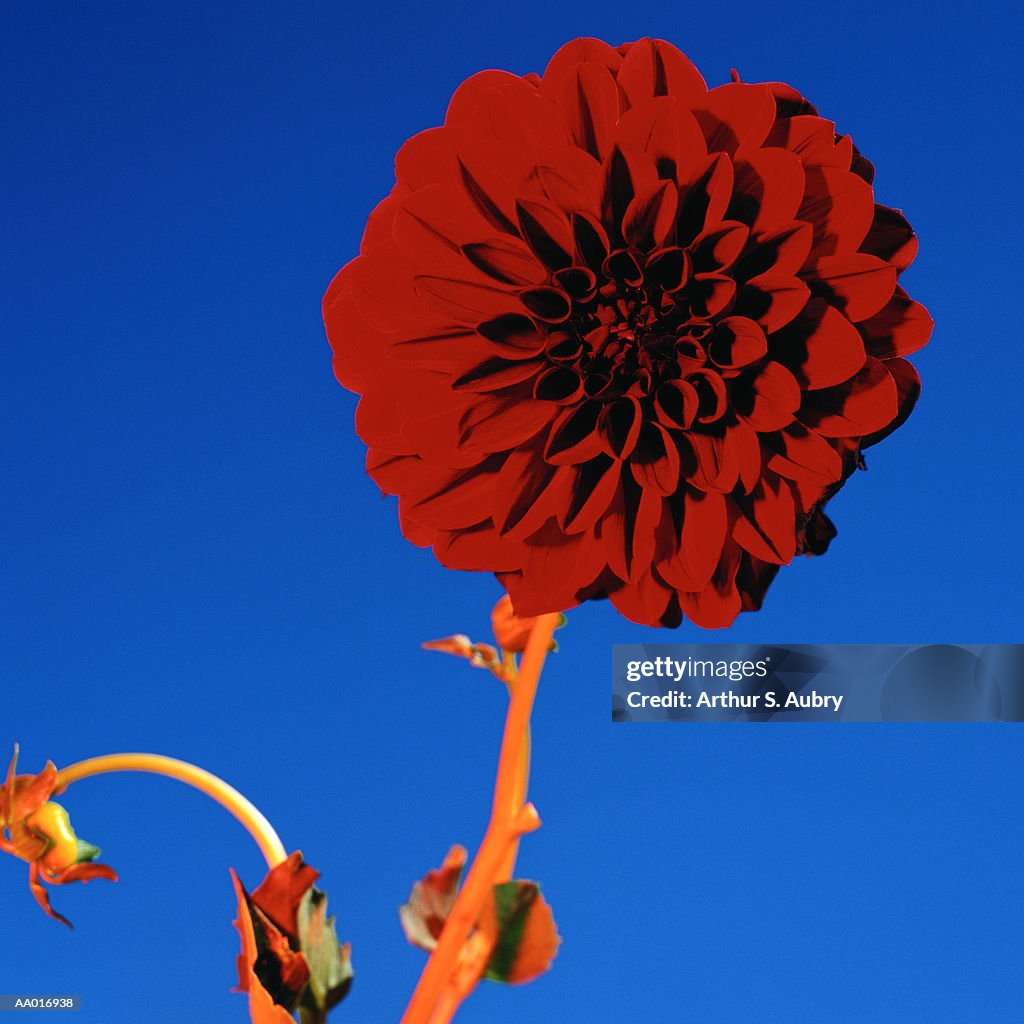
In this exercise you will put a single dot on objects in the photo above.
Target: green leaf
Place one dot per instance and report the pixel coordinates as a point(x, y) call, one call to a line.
point(330, 967)
point(520, 925)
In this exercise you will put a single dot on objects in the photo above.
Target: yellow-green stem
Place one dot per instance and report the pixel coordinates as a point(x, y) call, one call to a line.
point(229, 798)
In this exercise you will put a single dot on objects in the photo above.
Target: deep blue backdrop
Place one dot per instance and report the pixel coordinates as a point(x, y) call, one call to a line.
point(195, 563)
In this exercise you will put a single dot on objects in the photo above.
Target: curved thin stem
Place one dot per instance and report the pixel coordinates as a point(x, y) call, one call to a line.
point(506, 825)
point(229, 798)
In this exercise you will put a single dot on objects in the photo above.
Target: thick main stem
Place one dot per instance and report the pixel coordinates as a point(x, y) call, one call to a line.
point(229, 798)
point(502, 829)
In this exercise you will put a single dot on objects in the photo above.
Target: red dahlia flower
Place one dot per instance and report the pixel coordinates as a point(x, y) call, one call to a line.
point(617, 334)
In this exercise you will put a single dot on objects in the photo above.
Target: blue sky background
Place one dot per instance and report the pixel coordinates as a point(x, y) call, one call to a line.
point(195, 563)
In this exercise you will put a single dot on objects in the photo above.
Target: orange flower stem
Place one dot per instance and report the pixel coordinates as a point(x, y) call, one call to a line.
point(509, 820)
point(464, 979)
point(449, 1002)
point(468, 972)
point(229, 798)
point(518, 797)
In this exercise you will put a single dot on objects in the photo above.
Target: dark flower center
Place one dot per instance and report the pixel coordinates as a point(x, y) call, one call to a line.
point(644, 323)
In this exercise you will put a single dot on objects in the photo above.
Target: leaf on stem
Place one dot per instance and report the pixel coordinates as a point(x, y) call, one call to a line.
point(291, 959)
point(281, 892)
point(519, 924)
point(330, 963)
point(264, 965)
point(431, 901)
point(478, 655)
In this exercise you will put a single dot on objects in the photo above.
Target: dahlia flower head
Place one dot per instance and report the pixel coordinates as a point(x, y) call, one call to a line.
point(620, 335)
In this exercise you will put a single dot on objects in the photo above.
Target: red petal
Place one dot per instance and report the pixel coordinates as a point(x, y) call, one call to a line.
point(467, 498)
point(507, 260)
point(495, 374)
point(651, 215)
point(655, 462)
point(552, 305)
point(840, 205)
point(627, 531)
point(736, 117)
point(430, 224)
point(718, 604)
point(513, 336)
point(555, 569)
point(782, 252)
point(745, 445)
point(676, 404)
point(417, 410)
point(712, 396)
point(416, 533)
point(806, 456)
point(891, 238)
point(478, 89)
point(378, 225)
point(627, 171)
point(477, 549)
point(867, 403)
point(900, 328)
point(647, 602)
point(669, 134)
point(382, 289)
point(494, 424)
point(705, 524)
point(668, 268)
point(710, 294)
point(559, 384)
point(908, 388)
point(821, 347)
point(357, 347)
point(619, 425)
point(736, 342)
point(769, 188)
point(592, 245)
point(426, 158)
point(767, 529)
point(527, 492)
point(812, 139)
point(584, 50)
point(753, 579)
point(546, 230)
point(653, 67)
point(489, 191)
point(574, 435)
point(464, 301)
point(859, 284)
point(717, 467)
point(772, 299)
point(570, 178)
point(588, 101)
point(717, 248)
point(704, 203)
point(768, 398)
point(507, 112)
point(595, 484)
point(450, 348)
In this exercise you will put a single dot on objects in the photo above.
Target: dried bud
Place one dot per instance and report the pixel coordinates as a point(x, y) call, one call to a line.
point(510, 630)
